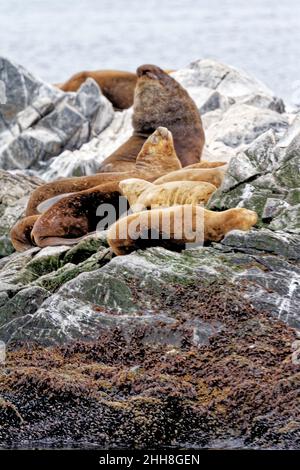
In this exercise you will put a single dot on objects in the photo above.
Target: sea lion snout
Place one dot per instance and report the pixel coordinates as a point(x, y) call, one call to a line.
point(160, 133)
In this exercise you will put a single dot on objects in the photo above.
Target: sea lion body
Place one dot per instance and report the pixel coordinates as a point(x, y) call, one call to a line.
point(175, 226)
point(213, 176)
point(165, 195)
point(116, 85)
point(159, 100)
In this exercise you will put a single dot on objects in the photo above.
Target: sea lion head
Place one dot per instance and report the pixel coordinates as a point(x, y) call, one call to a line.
point(132, 188)
point(159, 100)
point(240, 218)
point(218, 224)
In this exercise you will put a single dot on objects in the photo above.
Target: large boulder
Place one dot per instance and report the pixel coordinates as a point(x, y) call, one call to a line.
point(38, 121)
point(88, 158)
point(265, 177)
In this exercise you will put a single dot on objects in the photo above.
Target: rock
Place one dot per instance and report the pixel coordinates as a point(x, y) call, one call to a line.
point(230, 82)
point(14, 193)
point(242, 124)
point(266, 180)
point(87, 160)
point(77, 287)
point(39, 121)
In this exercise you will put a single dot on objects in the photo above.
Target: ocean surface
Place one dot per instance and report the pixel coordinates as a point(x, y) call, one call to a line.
point(55, 38)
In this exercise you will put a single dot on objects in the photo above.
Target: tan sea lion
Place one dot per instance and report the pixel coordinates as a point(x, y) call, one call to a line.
point(159, 100)
point(174, 227)
point(156, 157)
point(213, 176)
point(20, 234)
point(144, 195)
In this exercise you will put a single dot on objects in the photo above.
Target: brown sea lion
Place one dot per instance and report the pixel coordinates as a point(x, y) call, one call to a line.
point(74, 216)
point(213, 176)
point(116, 85)
point(174, 227)
point(157, 157)
point(20, 234)
point(159, 100)
point(144, 195)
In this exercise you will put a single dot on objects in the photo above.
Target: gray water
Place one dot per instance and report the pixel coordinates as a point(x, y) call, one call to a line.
point(56, 38)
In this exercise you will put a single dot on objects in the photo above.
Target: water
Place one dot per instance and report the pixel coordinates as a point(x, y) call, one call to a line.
point(55, 38)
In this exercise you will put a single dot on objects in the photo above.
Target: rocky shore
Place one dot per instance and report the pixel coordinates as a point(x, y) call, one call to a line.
point(156, 348)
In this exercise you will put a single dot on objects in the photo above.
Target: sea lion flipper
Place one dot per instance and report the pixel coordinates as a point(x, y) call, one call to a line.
point(158, 153)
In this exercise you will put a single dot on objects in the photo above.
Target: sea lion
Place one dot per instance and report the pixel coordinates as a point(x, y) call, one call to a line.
point(72, 217)
point(20, 234)
point(116, 85)
point(159, 100)
point(213, 176)
point(144, 195)
point(157, 157)
point(174, 227)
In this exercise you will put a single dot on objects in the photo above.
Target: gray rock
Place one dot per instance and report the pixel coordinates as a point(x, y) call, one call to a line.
point(14, 194)
point(38, 121)
point(264, 179)
point(229, 82)
point(123, 292)
point(88, 158)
